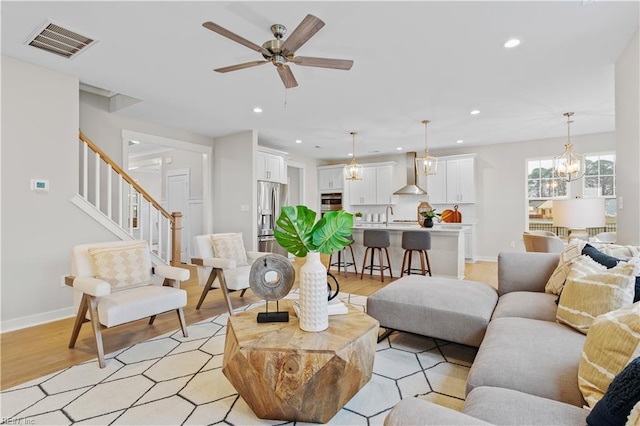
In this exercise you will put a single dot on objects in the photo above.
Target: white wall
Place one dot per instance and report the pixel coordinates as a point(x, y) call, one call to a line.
point(235, 186)
point(39, 140)
point(628, 144)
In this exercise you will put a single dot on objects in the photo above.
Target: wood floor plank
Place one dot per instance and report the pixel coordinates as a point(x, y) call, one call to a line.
point(34, 352)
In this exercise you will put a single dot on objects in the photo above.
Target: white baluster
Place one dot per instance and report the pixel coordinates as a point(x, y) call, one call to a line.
point(85, 170)
point(109, 190)
point(97, 181)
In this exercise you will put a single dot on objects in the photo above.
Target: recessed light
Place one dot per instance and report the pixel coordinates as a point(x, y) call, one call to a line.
point(399, 148)
point(350, 154)
point(459, 141)
point(131, 141)
point(512, 43)
point(257, 110)
point(475, 112)
point(298, 141)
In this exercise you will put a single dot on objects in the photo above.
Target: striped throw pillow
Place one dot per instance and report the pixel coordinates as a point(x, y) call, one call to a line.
point(613, 341)
point(592, 290)
point(123, 266)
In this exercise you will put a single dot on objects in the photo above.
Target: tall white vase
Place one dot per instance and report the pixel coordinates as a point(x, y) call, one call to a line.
point(314, 309)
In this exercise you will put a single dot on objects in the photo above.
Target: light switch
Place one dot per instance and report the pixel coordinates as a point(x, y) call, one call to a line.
point(620, 203)
point(40, 185)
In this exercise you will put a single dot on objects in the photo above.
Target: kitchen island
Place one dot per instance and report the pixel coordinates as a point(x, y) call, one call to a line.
point(446, 255)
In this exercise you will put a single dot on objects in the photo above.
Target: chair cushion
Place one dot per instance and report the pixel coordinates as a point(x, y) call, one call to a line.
point(229, 246)
point(124, 266)
point(237, 279)
point(591, 290)
point(612, 342)
point(139, 302)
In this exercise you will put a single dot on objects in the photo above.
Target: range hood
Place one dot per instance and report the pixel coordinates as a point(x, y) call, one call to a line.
point(411, 188)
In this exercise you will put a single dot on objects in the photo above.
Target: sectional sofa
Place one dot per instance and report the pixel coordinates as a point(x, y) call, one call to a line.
point(526, 369)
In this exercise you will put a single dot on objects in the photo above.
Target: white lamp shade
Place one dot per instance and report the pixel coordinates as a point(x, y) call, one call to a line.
point(579, 213)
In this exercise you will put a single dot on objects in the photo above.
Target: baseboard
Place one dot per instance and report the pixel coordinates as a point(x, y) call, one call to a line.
point(37, 319)
point(487, 258)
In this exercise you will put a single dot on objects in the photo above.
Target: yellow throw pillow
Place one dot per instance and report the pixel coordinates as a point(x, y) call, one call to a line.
point(613, 341)
point(124, 266)
point(559, 276)
point(229, 246)
point(592, 290)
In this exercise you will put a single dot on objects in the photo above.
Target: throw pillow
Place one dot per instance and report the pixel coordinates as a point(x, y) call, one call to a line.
point(559, 275)
point(610, 261)
point(634, 416)
point(123, 266)
point(612, 342)
point(229, 246)
point(592, 290)
point(600, 257)
point(621, 396)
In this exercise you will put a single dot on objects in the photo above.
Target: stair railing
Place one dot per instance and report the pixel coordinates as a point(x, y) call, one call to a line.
point(128, 205)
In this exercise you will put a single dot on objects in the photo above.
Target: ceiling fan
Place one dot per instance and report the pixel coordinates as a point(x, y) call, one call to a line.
point(279, 52)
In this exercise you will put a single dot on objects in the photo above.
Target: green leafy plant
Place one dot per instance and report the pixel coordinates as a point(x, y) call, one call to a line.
point(430, 213)
point(299, 233)
point(357, 214)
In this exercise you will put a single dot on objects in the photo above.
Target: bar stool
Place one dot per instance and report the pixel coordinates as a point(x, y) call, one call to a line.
point(342, 259)
point(376, 239)
point(419, 241)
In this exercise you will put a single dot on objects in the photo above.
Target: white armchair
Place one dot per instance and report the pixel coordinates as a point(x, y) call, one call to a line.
point(542, 242)
point(116, 284)
point(222, 262)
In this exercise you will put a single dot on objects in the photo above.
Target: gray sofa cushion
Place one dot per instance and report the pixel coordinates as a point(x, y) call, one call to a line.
point(527, 304)
point(446, 308)
point(508, 407)
point(416, 411)
point(532, 356)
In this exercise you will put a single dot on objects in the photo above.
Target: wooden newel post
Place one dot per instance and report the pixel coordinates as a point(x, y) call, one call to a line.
point(176, 238)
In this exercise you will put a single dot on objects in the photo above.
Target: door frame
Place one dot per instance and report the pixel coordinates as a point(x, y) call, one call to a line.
point(186, 227)
point(207, 165)
point(302, 192)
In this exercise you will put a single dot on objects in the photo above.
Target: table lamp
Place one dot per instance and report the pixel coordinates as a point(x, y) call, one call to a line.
point(578, 214)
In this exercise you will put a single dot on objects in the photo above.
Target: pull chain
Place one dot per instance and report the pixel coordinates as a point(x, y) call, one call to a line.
point(285, 97)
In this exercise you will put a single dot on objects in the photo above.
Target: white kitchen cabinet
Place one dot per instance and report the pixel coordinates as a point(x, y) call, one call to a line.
point(461, 181)
point(330, 178)
point(271, 167)
point(437, 184)
point(376, 186)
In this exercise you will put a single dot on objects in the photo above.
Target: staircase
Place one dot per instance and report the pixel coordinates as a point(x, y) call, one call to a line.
point(112, 198)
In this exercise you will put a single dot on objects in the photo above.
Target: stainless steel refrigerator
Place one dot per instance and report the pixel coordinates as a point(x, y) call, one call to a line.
point(271, 198)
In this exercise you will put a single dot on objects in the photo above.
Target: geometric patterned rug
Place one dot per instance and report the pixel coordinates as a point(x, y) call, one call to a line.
point(173, 380)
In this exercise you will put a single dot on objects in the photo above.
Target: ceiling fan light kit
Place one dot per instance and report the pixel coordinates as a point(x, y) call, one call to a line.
point(280, 52)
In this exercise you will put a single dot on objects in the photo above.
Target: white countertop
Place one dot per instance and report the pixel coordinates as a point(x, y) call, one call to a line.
point(410, 227)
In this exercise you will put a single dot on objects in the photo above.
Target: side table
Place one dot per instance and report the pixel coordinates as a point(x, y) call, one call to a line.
point(284, 373)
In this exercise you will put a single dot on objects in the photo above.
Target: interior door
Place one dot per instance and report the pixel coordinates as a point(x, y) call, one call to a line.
point(178, 201)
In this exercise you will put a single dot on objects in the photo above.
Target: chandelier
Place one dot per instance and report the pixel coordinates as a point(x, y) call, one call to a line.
point(353, 170)
point(426, 165)
point(569, 165)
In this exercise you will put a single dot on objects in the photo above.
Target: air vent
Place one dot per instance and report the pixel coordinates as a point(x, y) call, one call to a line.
point(58, 40)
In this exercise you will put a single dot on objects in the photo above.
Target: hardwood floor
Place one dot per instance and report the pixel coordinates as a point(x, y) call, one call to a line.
point(40, 350)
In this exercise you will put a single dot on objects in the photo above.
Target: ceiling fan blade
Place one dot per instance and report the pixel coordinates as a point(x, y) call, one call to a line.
point(240, 66)
point(287, 76)
point(303, 32)
point(338, 64)
point(235, 37)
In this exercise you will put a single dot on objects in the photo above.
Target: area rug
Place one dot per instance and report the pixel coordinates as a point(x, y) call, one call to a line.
point(173, 380)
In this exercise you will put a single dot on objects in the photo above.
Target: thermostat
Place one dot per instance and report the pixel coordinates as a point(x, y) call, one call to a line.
point(40, 185)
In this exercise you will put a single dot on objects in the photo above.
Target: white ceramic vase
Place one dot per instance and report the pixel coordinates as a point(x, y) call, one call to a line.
point(314, 309)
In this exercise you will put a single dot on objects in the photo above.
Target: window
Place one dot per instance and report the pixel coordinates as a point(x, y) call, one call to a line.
point(600, 181)
point(543, 185)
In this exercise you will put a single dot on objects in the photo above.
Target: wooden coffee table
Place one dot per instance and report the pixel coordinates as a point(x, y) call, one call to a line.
point(284, 373)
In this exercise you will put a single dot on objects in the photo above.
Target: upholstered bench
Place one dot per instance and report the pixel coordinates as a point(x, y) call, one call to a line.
point(444, 308)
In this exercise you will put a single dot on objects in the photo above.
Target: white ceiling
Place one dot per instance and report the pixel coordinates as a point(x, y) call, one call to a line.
point(412, 60)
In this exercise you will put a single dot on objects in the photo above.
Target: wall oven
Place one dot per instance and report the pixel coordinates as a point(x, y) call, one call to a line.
point(330, 202)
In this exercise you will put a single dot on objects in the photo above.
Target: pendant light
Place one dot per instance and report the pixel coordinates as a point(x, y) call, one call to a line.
point(569, 165)
point(426, 165)
point(353, 170)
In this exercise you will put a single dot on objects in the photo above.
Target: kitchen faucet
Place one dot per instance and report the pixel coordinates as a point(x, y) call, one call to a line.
point(386, 214)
